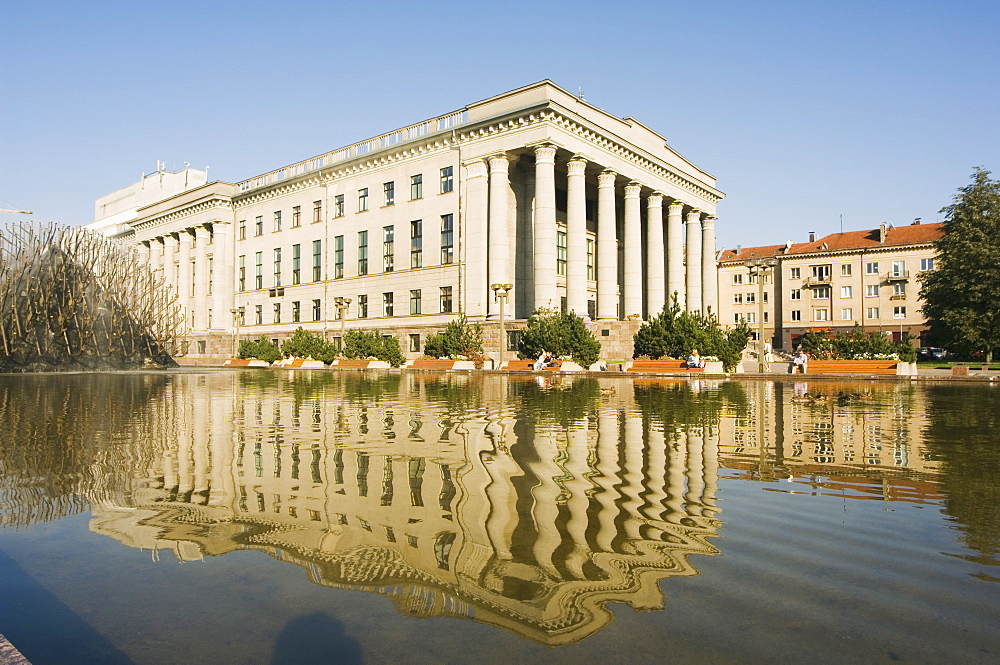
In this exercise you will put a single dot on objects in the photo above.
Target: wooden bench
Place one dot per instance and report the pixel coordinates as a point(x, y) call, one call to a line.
point(528, 366)
point(344, 363)
point(431, 363)
point(866, 367)
point(663, 366)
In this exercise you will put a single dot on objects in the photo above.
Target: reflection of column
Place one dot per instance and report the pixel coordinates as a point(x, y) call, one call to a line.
point(711, 465)
point(546, 294)
point(607, 247)
point(184, 473)
point(184, 274)
point(676, 464)
point(475, 238)
point(499, 227)
point(501, 518)
point(607, 467)
point(632, 476)
point(544, 495)
point(709, 273)
point(199, 443)
point(675, 253)
point(695, 471)
point(632, 289)
point(654, 254)
point(576, 526)
point(693, 259)
point(576, 237)
point(655, 496)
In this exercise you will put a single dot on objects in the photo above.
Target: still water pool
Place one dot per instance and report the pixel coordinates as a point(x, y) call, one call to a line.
point(322, 517)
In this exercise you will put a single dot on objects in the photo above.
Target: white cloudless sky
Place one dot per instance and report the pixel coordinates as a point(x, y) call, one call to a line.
point(804, 111)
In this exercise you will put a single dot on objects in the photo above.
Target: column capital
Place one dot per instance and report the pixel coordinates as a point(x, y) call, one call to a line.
point(475, 168)
point(577, 165)
point(694, 215)
point(499, 162)
point(675, 207)
point(708, 221)
point(184, 235)
point(201, 231)
point(607, 178)
point(632, 189)
point(656, 199)
point(545, 153)
point(220, 222)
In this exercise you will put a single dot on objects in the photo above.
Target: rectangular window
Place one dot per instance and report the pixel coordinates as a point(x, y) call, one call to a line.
point(362, 306)
point(871, 291)
point(738, 278)
point(795, 294)
point(765, 297)
point(338, 257)
point(242, 274)
point(591, 269)
point(414, 342)
point(751, 298)
point(416, 186)
point(296, 311)
point(899, 268)
point(317, 260)
point(277, 220)
point(794, 273)
point(362, 252)
point(899, 290)
point(845, 269)
point(899, 312)
point(363, 199)
point(447, 239)
point(416, 244)
point(259, 314)
point(296, 264)
point(820, 315)
point(338, 205)
point(258, 225)
point(388, 248)
point(796, 315)
point(871, 268)
point(871, 313)
point(751, 317)
point(415, 301)
point(737, 298)
point(387, 303)
point(847, 292)
point(296, 216)
point(243, 229)
point(560, 252)
point(317, 309)
point(445, 299)
point(927, 264)
point(277, 312)
point(259, 270)
point(389, 189)
point(447, 180)
point(821, 292)
point(847, 314)
point(211, 274)
point(317, 211)
point(821, 273)
point(277, 266)
point(737, 317)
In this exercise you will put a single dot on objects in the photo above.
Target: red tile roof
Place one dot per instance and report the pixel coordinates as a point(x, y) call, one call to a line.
point(896, 236)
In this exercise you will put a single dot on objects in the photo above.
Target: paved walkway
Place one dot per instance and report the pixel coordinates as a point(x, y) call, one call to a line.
point(9, 655)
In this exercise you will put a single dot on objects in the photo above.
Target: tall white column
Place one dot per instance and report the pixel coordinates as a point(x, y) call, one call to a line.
point(477, 287)
point(143, 250)
point(632, 291)
point(200, 302)
point(607, 247)
point(709, 269)
point(499, 229)
point(170, 262)
point(675, 253)
point(546, 294)
point(655, 285)
point(693, 260)
point(223, 280)
point(576, 237)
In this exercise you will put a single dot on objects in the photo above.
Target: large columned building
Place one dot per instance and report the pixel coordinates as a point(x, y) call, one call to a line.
point(575, 209)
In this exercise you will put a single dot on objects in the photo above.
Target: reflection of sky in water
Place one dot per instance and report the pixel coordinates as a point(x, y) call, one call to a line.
point(524, 505)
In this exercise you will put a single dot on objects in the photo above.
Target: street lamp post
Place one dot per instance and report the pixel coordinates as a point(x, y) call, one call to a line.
point(501, 293)
point(342, 304)
point(237, 313)
point(760, 267)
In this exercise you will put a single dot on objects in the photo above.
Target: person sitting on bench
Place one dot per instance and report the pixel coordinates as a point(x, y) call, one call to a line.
point(694, 360)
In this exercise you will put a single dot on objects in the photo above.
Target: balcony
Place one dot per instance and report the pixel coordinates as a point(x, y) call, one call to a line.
point(897, 276)
point(898, 296)
point(817, 281)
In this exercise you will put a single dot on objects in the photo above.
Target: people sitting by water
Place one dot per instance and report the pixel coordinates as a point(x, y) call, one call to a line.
point(694, 360)
point(800, 362)
point(541, 362)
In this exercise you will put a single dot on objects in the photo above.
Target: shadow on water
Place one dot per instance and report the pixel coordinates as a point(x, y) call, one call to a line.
point(67, 639)
point(316, 639)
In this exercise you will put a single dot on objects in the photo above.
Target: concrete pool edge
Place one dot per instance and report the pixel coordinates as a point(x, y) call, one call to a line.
point(9, 655)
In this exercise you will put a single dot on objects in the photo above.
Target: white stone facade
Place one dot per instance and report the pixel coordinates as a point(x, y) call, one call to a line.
point(537, 188)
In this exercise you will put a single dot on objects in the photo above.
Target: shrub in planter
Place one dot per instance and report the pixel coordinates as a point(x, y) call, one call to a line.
point(459, 338)
point(560, 335)
point(372, 344)
point(260, 349)
point(304, 344)
point(673, 333)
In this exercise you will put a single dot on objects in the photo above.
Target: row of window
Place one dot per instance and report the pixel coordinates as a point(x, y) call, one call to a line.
point(447, 256)
point(388, 305)
point(447, 184)
point(825, 271)
point(847, 313)
point(825, 293)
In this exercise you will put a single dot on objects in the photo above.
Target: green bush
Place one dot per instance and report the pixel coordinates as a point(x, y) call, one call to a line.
point(858, 345)
point(459, 338)
point(371, 344)
point(304, 344)
point(560, 335)
point(260, 349)
point(673, 333)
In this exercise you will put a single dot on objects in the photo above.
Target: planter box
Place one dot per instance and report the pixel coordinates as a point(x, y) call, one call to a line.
point(445, 365)
point(241, 362)
point(359, 364)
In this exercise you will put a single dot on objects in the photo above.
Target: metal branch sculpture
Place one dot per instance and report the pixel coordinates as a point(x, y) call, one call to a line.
point(73, 299)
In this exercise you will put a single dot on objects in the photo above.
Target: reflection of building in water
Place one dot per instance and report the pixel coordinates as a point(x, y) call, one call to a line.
point(531, 511)
point(834, 438)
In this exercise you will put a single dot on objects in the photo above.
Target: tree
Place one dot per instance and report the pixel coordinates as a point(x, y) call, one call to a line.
point(372, 344)
point(857, 345)
point(560, 335)
point(304, 344)
point(673, 333)
point(960, 296)
point(260, 349)
point(459, 338)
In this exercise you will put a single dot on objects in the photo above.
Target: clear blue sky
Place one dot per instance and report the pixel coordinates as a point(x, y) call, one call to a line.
point(804, 111)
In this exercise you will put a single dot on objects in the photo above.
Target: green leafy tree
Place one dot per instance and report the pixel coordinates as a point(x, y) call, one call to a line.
point(459, 338)
point(673, 333)
point(960, 295)
point(857, 345)
point(304, 344)
point(372, 344)
point(260, 349)
point(560, 335)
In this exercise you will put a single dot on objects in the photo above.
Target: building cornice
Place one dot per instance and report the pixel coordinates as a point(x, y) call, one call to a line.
point(171, 217)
